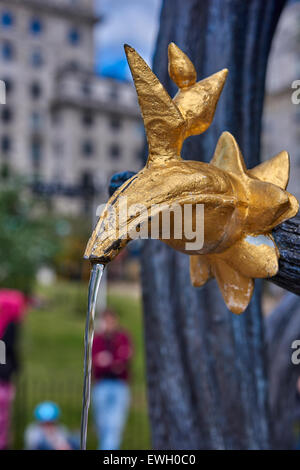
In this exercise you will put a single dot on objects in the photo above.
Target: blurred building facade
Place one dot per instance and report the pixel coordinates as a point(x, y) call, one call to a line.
point(68, 130)
point(63, 127)
point(281, 120)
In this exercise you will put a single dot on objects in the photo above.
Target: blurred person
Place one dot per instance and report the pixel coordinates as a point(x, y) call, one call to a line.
point(112, 350)
point(12, 308)
point(46, 433)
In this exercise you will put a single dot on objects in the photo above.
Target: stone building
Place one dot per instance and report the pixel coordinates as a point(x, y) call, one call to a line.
point(281, 130)
point(63, 127)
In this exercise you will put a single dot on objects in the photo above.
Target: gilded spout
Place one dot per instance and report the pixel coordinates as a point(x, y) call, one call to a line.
point(237, 207)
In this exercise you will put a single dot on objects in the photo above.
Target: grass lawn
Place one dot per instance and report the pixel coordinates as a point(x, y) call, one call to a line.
point(52, 358)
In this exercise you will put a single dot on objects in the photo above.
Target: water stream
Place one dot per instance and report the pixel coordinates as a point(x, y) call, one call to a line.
point(96, 274)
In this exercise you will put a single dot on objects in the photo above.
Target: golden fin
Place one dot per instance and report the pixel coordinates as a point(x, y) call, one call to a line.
point(199, 270)
point(163, 121)
point(290, 212)
point(236, 289)
point(270, 205)
point(198, 102)
point(228, 156)
point(276, 170)
point(235, 268)
point(253, 256)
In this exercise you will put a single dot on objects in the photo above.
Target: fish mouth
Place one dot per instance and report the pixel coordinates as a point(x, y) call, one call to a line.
point(104, 251)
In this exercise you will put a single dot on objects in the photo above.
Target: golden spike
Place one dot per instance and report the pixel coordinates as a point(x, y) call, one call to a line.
point(235, 288)
point(181, 69)
point(200, 271)
point(198, 102)
point(228, 156)
point(163, 121)
point(276, 170)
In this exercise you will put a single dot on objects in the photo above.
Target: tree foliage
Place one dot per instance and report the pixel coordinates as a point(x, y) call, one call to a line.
point(28, 236)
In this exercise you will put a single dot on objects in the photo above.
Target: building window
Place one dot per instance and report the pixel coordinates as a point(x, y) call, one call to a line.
point(36, 26)
point(8, 51)
point(73, 65)
point(113, 93)
point(56, 118)
point(87, 148)
point(115, 151)
point(115, 123)
point(74, 36)
point(7, 19)
point(86, 87)
point(58, 149)
point(8, 85)
point(87, 183)
point(88, 119)
point(36, 59)
point(35, 90)
point(36, 121)
point(6, 115)
point(36, 152)
point(5, 144)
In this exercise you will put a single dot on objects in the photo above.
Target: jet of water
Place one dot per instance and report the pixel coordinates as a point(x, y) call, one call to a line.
point(96, 275)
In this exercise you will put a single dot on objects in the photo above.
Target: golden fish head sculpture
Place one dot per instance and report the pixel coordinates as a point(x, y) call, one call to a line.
point(239, 207)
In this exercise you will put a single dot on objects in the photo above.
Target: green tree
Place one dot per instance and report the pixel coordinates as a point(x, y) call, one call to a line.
point(28, 236)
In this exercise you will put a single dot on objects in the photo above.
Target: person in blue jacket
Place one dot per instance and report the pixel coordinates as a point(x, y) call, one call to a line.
point(46, 433)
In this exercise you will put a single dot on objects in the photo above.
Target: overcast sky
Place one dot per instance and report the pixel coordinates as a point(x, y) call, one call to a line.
point(134, 22)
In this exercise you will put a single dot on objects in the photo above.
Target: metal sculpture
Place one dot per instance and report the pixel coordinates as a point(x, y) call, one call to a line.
point(241, 206)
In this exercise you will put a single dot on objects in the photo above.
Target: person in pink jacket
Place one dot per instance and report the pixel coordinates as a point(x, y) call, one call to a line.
point(112, 351)
point(13, 305)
